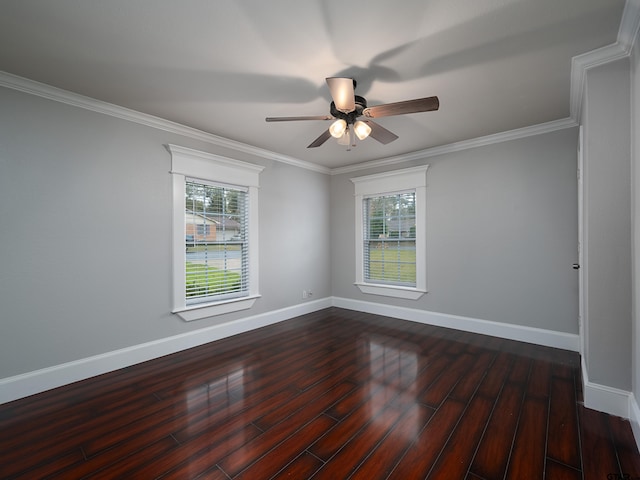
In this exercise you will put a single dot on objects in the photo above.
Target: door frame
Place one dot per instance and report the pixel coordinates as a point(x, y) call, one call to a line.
point(583, 330)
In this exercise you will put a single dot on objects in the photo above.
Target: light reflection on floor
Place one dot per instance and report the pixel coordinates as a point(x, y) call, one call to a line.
point(393, 371)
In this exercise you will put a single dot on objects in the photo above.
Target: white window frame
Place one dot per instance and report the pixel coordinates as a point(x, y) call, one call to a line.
point(186, 162)
point(389, 183)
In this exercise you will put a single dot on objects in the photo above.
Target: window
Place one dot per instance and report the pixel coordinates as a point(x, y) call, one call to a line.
point(215, 254)
point(203, 229)
point(391, 233)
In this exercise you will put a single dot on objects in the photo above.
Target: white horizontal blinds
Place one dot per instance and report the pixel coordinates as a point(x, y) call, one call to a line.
point(390, 239)
point(216, 241)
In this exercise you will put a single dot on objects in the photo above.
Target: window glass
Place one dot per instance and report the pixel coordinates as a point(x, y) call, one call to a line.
point(390, 239)
point(215, 242)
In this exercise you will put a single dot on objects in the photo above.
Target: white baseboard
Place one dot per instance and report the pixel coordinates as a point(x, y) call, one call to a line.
point(20, 386)
point(538, 336)
point(634, 418)
point(605, 399)
point(599, 397)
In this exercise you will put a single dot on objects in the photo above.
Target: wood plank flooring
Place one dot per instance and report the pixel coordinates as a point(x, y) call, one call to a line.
point(335, 394)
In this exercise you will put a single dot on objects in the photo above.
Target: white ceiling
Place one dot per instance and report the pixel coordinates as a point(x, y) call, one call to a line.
point(223, 66)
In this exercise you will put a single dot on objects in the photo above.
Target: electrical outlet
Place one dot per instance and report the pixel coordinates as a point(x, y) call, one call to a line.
point(304, 294)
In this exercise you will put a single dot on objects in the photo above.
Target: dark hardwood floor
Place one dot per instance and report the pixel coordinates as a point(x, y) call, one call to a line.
point(331, 395)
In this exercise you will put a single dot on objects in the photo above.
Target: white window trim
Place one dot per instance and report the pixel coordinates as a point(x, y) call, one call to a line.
point(397, 181)
point(186, 162)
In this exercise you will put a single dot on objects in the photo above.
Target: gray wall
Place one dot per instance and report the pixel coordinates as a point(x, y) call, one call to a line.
point(501, 233)
point(85, 219)
point(607, 209)
point(85, 203)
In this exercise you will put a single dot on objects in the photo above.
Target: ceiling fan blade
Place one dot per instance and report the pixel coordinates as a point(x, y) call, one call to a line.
point(379, 133)
point(293, 119)
point(343, 94)
point(321, 139)
point(400, 108)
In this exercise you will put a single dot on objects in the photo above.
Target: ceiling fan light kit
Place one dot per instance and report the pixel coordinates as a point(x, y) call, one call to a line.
point(347, 107)
point(338, 128)
point(361, 129)
point(345, 139)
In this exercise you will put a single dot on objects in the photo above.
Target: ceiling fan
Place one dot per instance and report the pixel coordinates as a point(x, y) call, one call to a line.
point(347, 107)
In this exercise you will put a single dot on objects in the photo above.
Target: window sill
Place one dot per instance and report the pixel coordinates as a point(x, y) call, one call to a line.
point(391, 291)
point(205, 310)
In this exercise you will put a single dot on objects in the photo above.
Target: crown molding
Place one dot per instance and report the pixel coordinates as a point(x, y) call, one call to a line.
point(622, 48)
point(627, 33)
point(463, 145)
point(629, 25)
point(74, 99)
point(579, 66)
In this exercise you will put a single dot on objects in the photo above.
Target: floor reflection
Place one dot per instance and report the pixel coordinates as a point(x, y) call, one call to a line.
point(218, 393)
point(393, 370)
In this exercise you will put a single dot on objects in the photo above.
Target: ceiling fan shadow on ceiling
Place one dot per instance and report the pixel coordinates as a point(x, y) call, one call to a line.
point(346, 109)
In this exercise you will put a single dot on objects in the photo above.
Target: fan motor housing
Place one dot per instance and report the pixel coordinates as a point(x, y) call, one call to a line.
point(350, 118)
